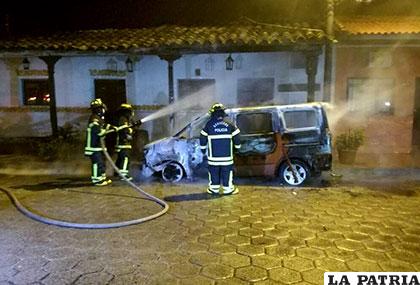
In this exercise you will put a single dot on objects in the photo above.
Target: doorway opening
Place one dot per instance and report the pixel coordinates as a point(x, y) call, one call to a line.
point(113, 94)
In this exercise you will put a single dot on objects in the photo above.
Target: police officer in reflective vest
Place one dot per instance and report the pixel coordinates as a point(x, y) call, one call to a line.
point(95, 130)
point(124, 138)
point(219, 137)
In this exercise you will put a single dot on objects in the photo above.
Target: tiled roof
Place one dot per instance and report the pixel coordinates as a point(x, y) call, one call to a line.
point(168, 37)
point(379, 25)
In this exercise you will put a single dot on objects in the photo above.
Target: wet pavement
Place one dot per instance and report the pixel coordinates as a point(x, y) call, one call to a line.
point(266, 234)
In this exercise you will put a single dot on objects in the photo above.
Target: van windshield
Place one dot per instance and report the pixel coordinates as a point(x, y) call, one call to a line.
point(193, 129)
point(297, 119)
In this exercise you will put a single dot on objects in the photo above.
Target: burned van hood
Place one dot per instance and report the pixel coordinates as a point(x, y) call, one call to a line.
point(165, 145)
point(176, 149)
point(162, 140)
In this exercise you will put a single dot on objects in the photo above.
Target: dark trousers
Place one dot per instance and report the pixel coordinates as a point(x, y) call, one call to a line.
point(98, 167)
point(123, 160)
point(221, 174)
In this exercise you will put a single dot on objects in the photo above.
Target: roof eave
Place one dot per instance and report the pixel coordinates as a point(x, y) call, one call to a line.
point(390, 38)
point(302, 46)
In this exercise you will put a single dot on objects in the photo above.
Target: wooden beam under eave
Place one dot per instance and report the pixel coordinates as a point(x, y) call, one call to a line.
point(311, 70)
point(170, 58)
point(51, 61)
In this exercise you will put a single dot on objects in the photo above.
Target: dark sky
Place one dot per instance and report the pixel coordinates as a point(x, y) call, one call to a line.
point(36, 17)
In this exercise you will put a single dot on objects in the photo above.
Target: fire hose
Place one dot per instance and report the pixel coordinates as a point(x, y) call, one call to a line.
point(289, 163)
point(61, 223)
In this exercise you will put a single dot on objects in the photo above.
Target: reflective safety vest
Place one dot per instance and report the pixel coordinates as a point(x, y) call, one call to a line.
point(219, 137)
point(94, 132)
point(125, 133)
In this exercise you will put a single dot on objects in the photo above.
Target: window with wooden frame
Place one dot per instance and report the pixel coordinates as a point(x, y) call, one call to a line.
point(35, 92)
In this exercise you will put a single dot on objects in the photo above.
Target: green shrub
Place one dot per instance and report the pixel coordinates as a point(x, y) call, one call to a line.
point(67, 146)
point(351, 140)
point(58, 149)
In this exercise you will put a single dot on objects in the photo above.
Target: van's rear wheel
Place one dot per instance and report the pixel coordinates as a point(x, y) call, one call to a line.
point(296, 176)
point(172, 172)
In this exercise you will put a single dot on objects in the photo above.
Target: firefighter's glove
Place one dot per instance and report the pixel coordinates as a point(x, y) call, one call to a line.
point(137, 123)
point(110, 129)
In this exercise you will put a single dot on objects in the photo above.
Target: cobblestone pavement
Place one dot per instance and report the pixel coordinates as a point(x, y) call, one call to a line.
point(263, 235)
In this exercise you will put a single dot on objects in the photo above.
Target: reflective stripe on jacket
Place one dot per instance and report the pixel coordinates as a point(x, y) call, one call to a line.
point(219, 137)
point(94, 132)
point(124, 133)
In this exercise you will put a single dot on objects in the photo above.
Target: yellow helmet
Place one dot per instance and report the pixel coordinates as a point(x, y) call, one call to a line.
point(126, 109)
point(126, 106)
point(217, 107)
point(97, 103)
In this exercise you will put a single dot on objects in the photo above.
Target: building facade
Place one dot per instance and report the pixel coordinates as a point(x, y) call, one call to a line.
point(377, 88)
point(151, 68)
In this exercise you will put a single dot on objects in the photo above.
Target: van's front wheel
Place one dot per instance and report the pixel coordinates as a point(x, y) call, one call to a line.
point(296, 176)
point(172, 172)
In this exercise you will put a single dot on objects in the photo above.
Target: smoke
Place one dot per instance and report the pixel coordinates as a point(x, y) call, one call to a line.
point(198, 101)
point(373, 93)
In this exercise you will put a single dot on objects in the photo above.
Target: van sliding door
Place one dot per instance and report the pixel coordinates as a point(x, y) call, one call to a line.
point(258, 152)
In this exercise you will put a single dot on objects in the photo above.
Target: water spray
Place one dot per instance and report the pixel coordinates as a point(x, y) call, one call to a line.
point(201, 99)
point(204, 101)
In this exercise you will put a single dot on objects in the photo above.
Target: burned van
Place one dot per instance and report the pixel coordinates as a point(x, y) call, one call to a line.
point(291, 142)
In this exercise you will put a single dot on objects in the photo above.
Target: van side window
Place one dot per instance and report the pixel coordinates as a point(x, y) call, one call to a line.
point(300, 119)
point(254, 123)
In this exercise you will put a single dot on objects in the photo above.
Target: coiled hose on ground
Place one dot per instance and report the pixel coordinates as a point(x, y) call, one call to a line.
point(61, 223)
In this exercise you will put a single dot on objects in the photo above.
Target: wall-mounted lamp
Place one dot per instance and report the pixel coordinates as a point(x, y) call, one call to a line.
point(129, 64)
point(229, 62)
point(25, 63)
point(111, 64)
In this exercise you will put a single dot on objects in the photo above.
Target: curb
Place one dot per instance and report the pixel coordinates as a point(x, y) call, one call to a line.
point(358, 173)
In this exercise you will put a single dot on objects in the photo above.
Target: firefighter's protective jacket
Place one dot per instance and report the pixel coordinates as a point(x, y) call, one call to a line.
point(125, 132)
point(219, 137)
point(95, 130)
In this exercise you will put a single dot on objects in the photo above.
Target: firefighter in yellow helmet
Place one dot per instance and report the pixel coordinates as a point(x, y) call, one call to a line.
point(219, 137)
point(95, 130)
point(124, 139)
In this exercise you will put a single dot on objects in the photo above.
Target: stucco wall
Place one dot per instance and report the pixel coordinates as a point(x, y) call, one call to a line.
point(4, 84)
point(147, 85)
point(254, 65)
point(388, 137)
point(28, 122)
